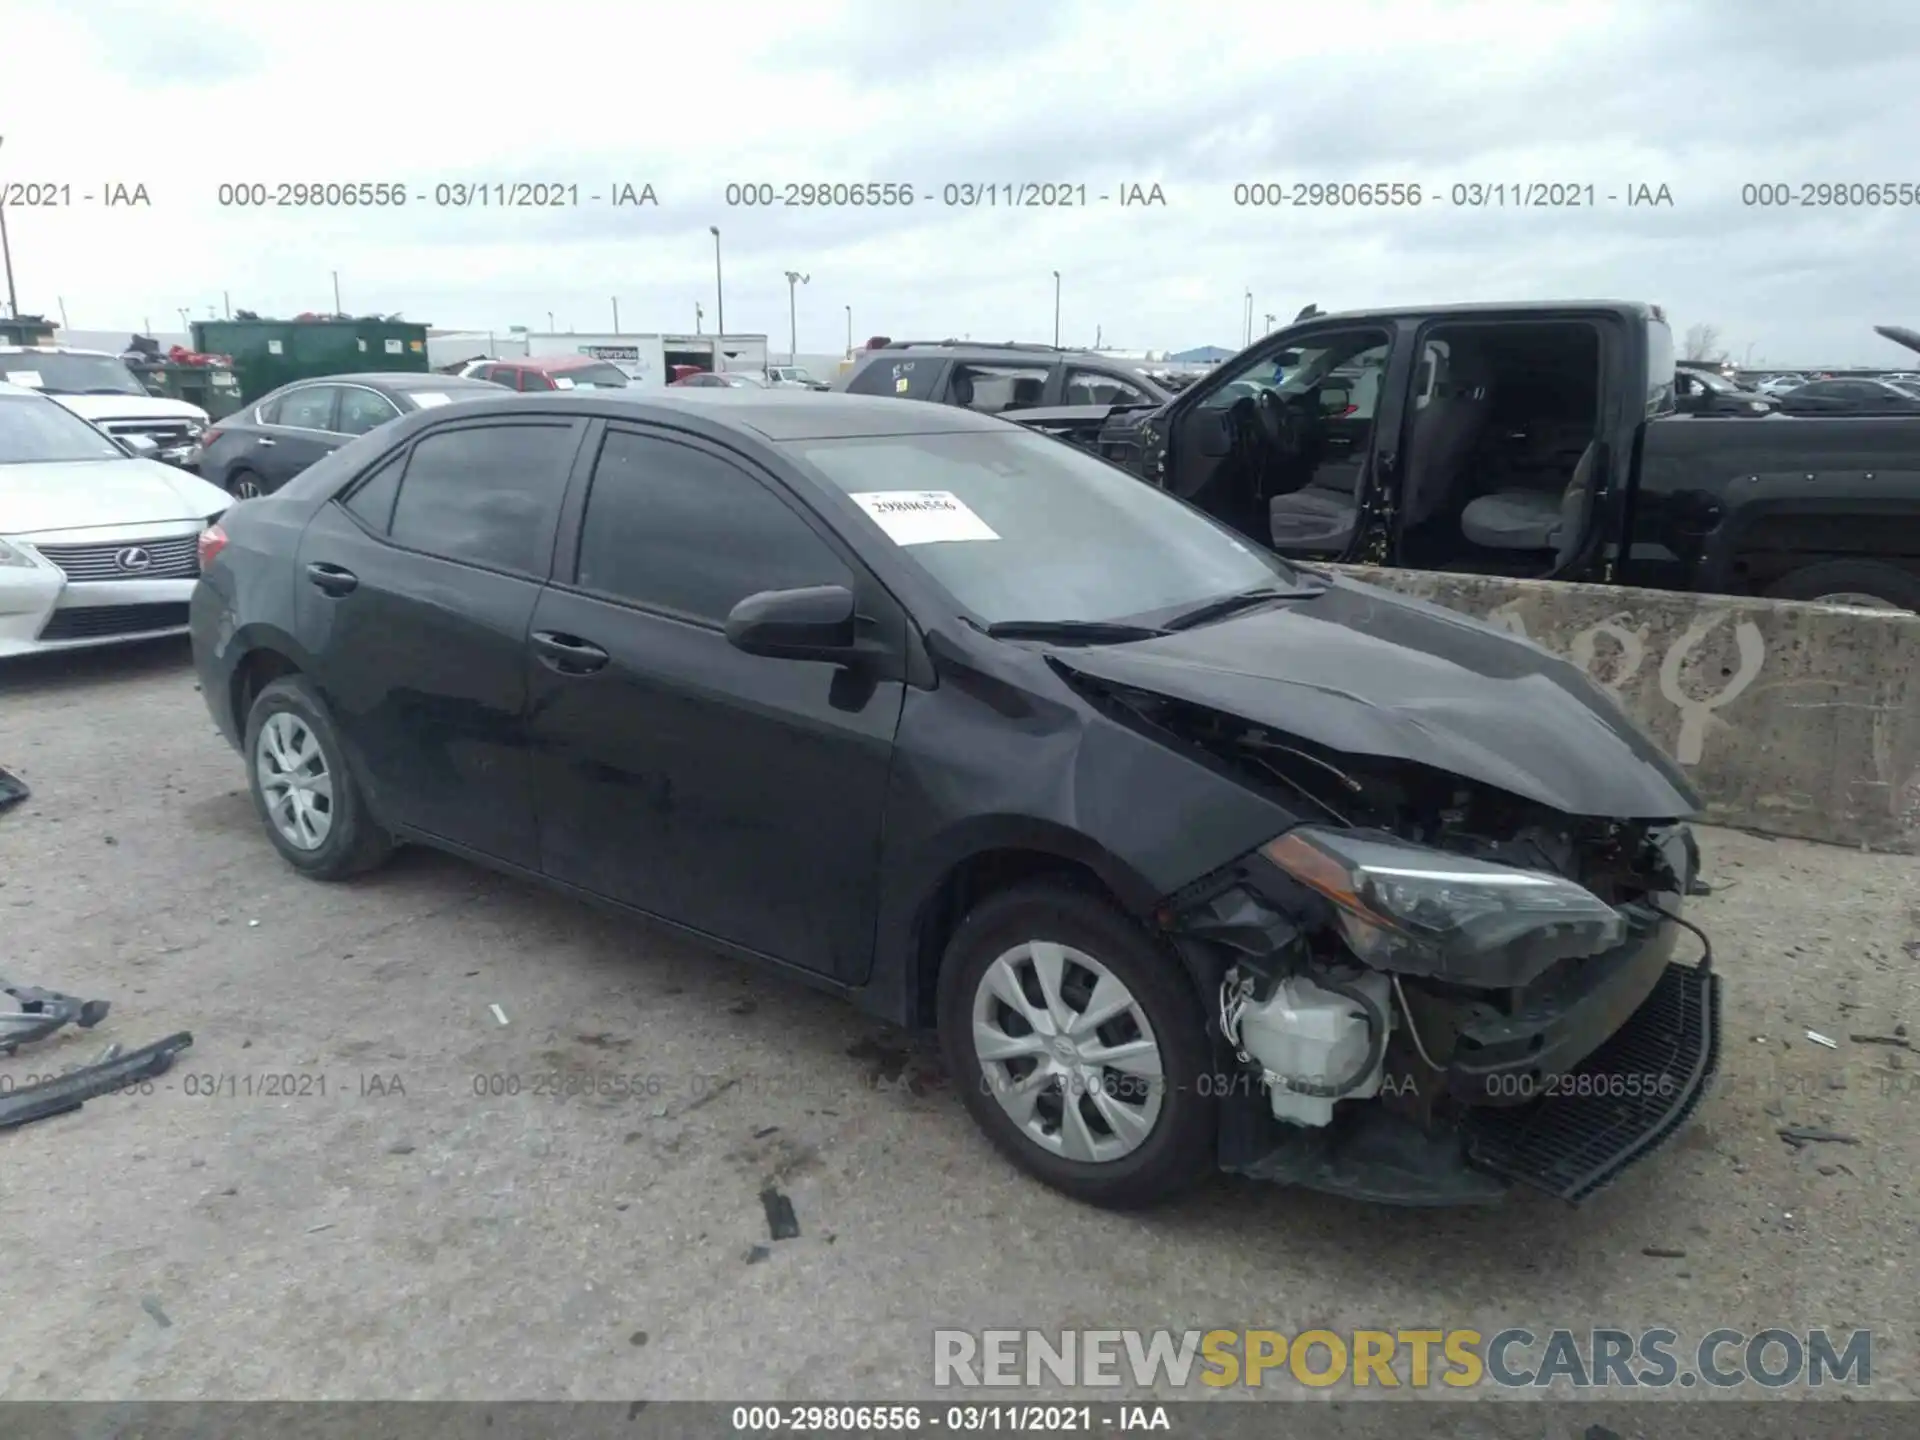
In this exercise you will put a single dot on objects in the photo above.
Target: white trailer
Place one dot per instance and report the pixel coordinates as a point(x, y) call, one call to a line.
point(650, 359)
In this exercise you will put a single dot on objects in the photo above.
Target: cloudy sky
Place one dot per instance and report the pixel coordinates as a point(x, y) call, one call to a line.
point(1703, 98)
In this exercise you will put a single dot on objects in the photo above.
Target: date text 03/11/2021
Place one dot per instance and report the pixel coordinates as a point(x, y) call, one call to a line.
point(443, 195)
point(1013, 1418)
point(954, 194)
point(1462, 195)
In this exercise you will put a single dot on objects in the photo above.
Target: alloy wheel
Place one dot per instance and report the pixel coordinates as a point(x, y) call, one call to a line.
point(1068, 1052)
point(295, 782)
point(247, 488)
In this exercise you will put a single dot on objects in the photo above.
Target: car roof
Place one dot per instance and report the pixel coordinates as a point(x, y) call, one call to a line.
point(770, 415)
point(393, 380)
point(1008, 350)
point(553, 362)
point(53, 350)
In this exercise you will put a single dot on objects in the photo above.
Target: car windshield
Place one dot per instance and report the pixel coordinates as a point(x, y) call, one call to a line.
point(34, 430)
point(1715, 381)
point(599, 376)
point(60, 373)
point(1018, 526)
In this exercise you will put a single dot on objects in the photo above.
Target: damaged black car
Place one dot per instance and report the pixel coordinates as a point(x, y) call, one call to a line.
point(1195, 858)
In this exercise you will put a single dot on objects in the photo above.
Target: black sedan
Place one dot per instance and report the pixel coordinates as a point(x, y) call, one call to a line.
point(1193, 858)
point(260, 447)
point(1856, 396)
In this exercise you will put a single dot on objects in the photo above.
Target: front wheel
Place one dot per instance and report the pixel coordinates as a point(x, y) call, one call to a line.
point(1078, 1046)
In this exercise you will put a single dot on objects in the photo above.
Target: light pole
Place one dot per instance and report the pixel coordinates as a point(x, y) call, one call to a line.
point(550, 329)
point(794, 279)
point(1056, 309)
point(849, 310)
point(616, 314)
point(1249, 317)
point(1268, 329)
point(719, 293)
point(336, 293)
point(6, 253)
point(699, 316)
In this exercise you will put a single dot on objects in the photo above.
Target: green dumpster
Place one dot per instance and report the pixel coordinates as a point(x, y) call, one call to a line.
point(267, 354)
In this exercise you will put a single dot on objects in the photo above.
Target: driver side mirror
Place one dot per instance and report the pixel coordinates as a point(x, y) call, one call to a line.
point(817, 622)
point(1335, 403)
point(141, 447)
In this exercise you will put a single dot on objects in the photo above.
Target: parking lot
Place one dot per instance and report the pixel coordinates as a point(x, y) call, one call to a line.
point(359, 1182)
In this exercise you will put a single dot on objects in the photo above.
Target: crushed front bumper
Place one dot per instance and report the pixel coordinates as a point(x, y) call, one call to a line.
point(1623, 1101)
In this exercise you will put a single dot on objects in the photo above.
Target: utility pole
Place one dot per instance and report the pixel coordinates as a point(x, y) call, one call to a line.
point(336, 293)
point(6, 253)
point(794, 279)
point(719, 289)
point(1056, 309)
point(226, 303)
point(616, 314)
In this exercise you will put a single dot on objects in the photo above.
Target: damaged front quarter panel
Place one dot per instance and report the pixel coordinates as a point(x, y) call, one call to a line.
point(1528, 955)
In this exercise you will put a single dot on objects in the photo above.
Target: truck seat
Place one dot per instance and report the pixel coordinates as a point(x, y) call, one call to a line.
point(1319, 517)
point(1530, 519)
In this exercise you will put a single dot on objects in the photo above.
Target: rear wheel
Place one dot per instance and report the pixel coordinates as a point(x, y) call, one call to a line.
point(245, 485)
point(1078, 1046)
point(302, 787)
point(1865, 584)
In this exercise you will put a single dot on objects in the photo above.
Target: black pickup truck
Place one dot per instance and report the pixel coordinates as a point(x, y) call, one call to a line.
point(1537, 439)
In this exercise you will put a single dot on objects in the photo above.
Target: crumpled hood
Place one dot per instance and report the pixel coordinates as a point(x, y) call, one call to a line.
point(1369, 672)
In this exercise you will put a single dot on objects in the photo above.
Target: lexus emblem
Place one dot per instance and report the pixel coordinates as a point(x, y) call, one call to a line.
point(134, 557)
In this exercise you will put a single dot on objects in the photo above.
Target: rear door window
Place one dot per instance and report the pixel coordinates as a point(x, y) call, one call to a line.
point(993, 388)
point(486, 494)
point(309, 408)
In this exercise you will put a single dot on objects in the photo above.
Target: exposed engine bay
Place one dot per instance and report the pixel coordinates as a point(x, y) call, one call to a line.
point(1432, 988)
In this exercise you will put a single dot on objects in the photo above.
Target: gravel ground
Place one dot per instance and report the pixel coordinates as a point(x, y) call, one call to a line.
point(417, 1232)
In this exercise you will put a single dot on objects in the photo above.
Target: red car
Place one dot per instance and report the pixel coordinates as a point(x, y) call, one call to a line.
point(553, 372)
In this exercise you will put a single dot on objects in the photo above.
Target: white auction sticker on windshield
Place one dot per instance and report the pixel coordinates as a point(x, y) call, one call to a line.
point(923, 517)
point(427, 399)
point(29, 378)
point(561, 382)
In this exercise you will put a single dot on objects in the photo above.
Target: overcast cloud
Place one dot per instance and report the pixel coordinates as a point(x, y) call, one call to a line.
point(1701, 98)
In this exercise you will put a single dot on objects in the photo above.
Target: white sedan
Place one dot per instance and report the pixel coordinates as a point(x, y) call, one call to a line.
point(97, 546)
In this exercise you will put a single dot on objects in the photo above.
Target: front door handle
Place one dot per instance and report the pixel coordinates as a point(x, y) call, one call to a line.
point(568, 654)
point(331, 578)
point(264, 440)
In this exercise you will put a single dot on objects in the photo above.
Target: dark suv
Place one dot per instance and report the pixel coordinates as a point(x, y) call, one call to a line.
point(997, 378)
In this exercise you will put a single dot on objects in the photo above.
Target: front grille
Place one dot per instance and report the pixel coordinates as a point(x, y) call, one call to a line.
point(1623, 1101)
point(96, 622)
point(175, 558)
point(165, 432)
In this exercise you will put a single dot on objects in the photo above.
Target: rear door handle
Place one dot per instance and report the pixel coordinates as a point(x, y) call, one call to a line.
point(568, 654)
point(264, 440)
point(331, 578)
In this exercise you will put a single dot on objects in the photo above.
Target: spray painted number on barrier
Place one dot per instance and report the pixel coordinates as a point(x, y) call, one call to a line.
point(1613, 652)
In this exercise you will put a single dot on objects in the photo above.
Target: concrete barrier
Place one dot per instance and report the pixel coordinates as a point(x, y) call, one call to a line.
point(1792, 719)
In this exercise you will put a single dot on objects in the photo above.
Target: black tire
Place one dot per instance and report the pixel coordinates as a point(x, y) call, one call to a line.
point(355, 842)
point(1179, 1149)
point(1886, 582)
point(239, 479)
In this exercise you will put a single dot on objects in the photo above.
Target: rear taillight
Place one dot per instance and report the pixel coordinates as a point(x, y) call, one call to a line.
point(207, 437)
point(212, 541)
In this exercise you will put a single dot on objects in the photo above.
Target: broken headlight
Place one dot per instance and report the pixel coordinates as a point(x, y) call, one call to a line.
point(1423, 912)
